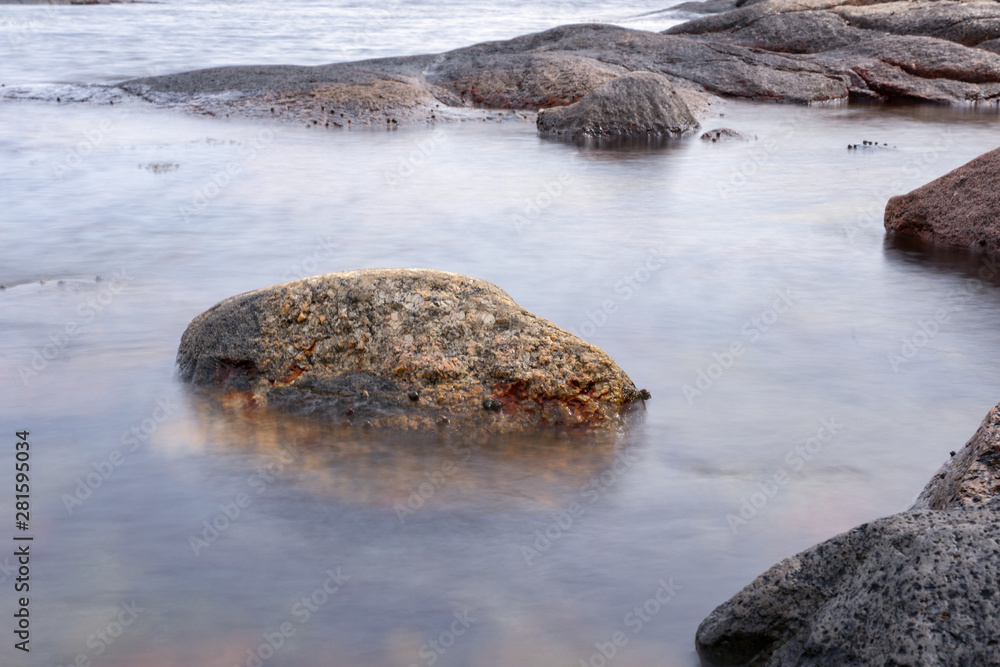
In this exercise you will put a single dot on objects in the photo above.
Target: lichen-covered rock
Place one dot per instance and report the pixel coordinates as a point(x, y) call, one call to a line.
point(403, 348)
point(972, 475)
point(917, 588)
point(962, 208)
point(638, 104)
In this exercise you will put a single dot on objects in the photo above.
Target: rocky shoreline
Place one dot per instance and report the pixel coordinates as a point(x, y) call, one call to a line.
point(919, 587)
point(793, 51)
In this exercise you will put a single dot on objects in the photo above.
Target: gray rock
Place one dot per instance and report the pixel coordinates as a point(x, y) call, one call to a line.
point(404, 349)
point(917, 588)
point(797, 51)
point(971, 476)
point(958, 209)
point(639, 104)
point(724, 134)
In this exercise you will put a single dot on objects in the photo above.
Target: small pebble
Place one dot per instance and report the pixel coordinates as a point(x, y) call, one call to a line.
point(414, 395)
point(492, 404)
point(645, 395)
point(443, 420)
point(953, 453)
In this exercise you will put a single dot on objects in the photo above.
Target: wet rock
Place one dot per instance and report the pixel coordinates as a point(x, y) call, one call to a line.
point(958, 209)
point(917, 588)
point(972, 475)
point(898, 51)
point(796, 51)
point(724, 134)
point(706, 7)
point(405, 349)
point(639, 104)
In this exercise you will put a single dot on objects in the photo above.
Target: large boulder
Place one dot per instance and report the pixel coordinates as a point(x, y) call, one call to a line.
point(639, 104)
point(962, 208)
point(403, 348)
point(917, 588)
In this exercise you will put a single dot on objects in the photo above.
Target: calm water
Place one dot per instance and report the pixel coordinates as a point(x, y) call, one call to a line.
point(436, 548)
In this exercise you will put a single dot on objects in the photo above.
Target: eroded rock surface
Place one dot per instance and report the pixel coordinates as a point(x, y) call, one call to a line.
point(962, 208)
point(403, 348)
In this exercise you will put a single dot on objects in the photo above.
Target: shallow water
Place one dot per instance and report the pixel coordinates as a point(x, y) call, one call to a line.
point(666, 258)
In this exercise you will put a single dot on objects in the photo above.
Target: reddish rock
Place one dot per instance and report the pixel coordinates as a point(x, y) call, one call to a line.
point(406, 349)
point(962, 208)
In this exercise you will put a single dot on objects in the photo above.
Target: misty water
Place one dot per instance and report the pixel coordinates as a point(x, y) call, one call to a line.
point(806, 374)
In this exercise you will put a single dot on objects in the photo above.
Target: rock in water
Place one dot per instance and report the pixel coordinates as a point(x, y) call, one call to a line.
point(407, 349)
point(971, 476)
point(962, 208)
point(917, 588)
point(639, 104)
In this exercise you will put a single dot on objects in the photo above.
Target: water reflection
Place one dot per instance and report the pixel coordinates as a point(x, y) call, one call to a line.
point(450, 469)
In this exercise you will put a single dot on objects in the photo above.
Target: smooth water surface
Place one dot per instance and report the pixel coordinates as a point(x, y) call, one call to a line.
point(747, 286)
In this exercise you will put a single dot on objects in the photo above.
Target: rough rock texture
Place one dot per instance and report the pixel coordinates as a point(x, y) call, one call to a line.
point(917, 588)
point(962, 208)
point(403, 348)
point(970, 477)
point(724, 134)
point(798, 51)
point(639, 104)
point(913, 50)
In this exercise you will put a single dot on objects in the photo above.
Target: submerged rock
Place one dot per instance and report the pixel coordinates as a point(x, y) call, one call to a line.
point(726, 134)
point(962, 208)
point(639, 104)
point(917, 588)
point(406, 349)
